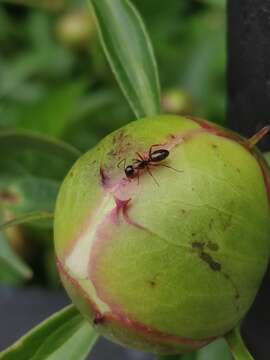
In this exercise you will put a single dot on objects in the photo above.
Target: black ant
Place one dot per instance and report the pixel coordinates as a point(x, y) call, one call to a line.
point(154, 158)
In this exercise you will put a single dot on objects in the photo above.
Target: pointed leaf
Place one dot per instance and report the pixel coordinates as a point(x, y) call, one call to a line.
point(54, 111)
point(16, 140)
point(25, 218)
point(130, 54)
point(65, 335)
point(26, 193)
point(216, 350)
point(47, 4)
point(12, 268)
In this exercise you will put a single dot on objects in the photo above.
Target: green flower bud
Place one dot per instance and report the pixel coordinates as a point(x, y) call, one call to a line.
point(170, 256)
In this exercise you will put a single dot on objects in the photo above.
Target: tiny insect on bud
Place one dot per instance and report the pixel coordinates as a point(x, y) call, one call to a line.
point(169, 265)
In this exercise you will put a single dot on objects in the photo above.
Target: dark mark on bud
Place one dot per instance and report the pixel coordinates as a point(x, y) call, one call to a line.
point(198, 245)
point(237, 294)
point(214, 265)
point(212, 246)
point(104, 178)
point(99, 319)
point(152, 283)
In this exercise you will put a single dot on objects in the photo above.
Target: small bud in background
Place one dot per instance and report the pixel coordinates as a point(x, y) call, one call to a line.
point(176, 101)
point(75, 29)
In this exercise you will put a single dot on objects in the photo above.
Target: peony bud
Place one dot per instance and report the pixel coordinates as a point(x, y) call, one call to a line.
point(170, 256)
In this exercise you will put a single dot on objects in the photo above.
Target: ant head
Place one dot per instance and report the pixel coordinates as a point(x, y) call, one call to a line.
point(130, 171)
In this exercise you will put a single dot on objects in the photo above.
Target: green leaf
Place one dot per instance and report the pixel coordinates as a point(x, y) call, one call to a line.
point(54, 111)
point(130, 54)
point(216, 350)
point(27, 193)
point(218, 3)
point(33, 167)
point(12, 268)
point(16, 140)
point(65, 335)
point(48, 4)
point(25, 218)
point(28, 198)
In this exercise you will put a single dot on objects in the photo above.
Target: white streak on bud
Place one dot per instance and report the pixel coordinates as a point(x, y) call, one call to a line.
point(78, 259)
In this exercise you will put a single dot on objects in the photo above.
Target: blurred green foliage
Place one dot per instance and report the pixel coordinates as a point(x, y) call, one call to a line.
point(69, 92)
point(55, 81)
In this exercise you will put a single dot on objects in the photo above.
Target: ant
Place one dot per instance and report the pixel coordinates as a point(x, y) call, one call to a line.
point(154, 158)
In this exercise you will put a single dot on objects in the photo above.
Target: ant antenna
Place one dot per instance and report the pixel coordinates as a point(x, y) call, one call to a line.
point(120, 162)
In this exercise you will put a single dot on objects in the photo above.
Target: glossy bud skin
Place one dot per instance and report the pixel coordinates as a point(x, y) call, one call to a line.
point(168, 265)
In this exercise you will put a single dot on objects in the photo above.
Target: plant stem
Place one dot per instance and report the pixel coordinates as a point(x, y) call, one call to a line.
point(237, 346)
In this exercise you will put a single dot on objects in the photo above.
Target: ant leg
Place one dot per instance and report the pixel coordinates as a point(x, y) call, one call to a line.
point(167, 166)
point(151, 147)
point(150, 173)
point(138, 178)
point(140, 157)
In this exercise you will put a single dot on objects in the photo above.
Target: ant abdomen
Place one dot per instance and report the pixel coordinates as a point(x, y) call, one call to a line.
point(159, 155)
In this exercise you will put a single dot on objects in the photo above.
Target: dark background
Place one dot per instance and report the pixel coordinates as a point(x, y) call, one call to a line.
point(20, 310)
point(248, 104)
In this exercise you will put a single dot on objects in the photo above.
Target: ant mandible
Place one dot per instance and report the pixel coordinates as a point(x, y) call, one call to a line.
point(154, 158)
